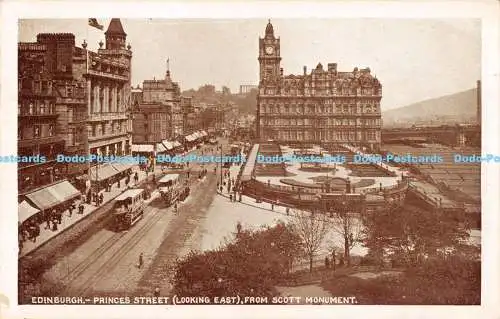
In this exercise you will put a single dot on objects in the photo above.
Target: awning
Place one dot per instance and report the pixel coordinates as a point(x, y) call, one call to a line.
point(160, 148)
point(120, 167)
point(25, 211)
point(53, 195)
point(43, 199)
point(102, 172)
point(65, 191)
point(177, 144)
point(197, 135)
point(190, 138)
point(204, 133)
point(142, 148)
point(168, 145)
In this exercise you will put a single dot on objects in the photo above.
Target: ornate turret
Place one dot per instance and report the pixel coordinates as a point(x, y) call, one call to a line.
point(269, 30)
point(115, 36)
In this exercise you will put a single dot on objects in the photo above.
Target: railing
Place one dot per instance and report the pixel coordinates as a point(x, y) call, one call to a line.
point(108, 75)
point(107, 116)
point(100, 137)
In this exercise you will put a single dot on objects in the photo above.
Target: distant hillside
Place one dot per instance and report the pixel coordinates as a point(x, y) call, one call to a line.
point(450, 109)
point(247, 103)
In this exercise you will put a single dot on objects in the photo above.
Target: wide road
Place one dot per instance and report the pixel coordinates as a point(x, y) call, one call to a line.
point(105, 263)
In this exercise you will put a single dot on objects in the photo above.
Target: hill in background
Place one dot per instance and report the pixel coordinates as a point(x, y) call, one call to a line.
point(446, 110)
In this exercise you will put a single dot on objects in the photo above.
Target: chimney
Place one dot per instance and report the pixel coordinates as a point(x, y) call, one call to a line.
point(479, 106)
point(281, 71)
point(332, 67)
point(305, 70)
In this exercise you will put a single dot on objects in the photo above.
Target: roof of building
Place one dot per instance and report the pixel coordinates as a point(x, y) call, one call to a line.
point(269, 28)
point(115, 27)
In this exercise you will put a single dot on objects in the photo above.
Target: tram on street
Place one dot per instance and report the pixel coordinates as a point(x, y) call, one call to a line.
point(169, 186)
point(129, 208)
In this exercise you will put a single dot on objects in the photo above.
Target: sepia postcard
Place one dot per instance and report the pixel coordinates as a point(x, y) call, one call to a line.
point(259, 159)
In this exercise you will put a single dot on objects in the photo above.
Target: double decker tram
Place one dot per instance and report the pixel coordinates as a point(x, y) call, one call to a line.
point(129, 208)
point(169, 186)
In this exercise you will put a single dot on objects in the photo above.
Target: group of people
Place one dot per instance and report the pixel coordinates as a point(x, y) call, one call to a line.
point(30, 229)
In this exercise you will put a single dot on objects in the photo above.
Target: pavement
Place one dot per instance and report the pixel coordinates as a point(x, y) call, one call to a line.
point(69, 221)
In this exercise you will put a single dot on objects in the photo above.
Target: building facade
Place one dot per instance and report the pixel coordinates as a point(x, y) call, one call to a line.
point(151, 123)
point(91, 91)
point(189, 115)
point(37, 119)
point(325, 106)
point(247, 88)
point(109, 94)
point(168, 94)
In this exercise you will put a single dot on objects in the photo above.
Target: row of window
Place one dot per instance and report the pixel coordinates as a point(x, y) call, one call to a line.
point(100, 129)
point(321, 91)
point(321, 122)
point(325, 135)
point(113, 101)
point(35, 131)
point(342, 109)
point(35, 86)
point(36, 107)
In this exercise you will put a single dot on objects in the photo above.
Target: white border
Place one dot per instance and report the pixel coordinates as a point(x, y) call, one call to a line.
point(486, 10)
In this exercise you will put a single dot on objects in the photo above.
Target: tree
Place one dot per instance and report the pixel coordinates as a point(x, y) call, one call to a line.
point(311, 229)
point(411, 234)
point(251, 265)
point(345, 222)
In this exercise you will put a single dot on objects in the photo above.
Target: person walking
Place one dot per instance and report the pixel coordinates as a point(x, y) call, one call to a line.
point(101, 199)
point(141, 261)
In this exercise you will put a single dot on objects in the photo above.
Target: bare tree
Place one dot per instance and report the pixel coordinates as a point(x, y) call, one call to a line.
point(312, 229)
point(344, 222)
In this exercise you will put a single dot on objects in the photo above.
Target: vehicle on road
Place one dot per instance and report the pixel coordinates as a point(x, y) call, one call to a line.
point(184, 193)
point(169, 186)
point(129, 207)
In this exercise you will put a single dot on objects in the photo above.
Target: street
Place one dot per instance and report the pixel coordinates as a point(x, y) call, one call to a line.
point(102, 261)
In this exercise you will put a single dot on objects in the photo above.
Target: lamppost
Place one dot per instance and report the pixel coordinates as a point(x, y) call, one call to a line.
point(220, 164)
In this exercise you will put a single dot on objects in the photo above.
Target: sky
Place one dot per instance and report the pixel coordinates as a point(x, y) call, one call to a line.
point(414, 59)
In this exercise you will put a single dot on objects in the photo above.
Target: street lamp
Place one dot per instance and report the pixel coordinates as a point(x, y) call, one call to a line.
point(221, 164)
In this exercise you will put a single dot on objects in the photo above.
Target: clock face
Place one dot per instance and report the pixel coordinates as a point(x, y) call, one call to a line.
point(269, 50)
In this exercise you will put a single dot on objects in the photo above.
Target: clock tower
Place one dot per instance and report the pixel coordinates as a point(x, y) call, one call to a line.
point(269, 56)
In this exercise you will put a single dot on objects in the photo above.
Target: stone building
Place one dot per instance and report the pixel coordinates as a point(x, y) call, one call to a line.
point(189, 116)
point(325, 106)
point(91, 91)
point(167, 93)
point(37, 119)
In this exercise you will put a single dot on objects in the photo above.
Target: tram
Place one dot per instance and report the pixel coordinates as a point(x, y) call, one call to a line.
point(169, 186)
point(129, 208)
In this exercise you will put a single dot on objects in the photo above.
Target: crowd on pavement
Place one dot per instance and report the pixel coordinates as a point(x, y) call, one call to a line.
point(36, 231)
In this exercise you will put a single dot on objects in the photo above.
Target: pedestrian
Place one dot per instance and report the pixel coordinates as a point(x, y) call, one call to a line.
point(288, 211)
point(175, 207)
point(141, 261)
point(118, 185)
point(136, 177)
point(334, 262)
point(80, 208)
point(157, 292)
point(231, 197)
point(101, 198)
point(327, 263)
